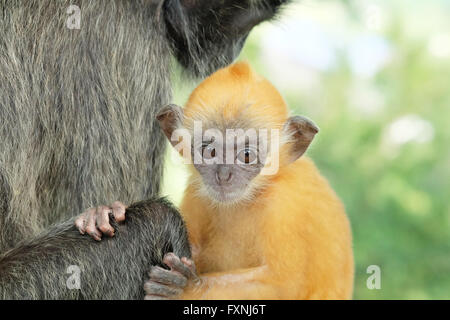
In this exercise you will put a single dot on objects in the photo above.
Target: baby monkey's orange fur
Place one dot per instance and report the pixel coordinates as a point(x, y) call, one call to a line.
point(288, 239)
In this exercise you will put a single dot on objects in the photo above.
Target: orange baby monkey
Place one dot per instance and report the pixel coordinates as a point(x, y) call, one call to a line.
point(265, 225)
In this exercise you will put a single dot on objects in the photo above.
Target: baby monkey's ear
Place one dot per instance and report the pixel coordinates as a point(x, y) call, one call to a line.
point(170, 118)
point(299, 131)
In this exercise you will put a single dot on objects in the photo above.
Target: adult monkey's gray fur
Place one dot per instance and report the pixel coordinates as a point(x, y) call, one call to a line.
point(77, 112)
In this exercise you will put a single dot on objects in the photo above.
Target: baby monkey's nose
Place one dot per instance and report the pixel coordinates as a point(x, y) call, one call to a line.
point(223, 174)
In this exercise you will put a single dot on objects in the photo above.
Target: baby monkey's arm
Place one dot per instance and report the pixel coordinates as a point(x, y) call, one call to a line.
point(182, 282)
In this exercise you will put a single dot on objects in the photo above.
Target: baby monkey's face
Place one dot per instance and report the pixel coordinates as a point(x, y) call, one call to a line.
point(227, 165)
point(230, 160)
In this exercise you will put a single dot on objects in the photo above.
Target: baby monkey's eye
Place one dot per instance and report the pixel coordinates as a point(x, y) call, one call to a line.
point(246, 156)
point(208, 152)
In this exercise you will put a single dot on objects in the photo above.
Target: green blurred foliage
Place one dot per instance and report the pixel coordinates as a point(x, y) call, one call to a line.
point(397, 196)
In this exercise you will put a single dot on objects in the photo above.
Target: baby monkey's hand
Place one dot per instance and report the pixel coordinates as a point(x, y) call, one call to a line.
point(95, 221)
point(169, 284)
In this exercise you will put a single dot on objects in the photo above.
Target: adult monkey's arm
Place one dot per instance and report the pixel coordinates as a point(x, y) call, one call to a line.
point(46, 267)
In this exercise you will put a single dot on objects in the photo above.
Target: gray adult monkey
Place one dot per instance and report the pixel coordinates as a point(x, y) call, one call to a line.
point(78, 129)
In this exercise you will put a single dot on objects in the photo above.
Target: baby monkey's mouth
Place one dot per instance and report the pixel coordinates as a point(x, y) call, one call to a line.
point(225, 193)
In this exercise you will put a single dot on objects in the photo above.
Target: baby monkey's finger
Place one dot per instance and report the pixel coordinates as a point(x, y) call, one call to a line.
point(190, 264)
point(155, 288)
point(153, 297)
point(175, 264)
point(167, 277)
